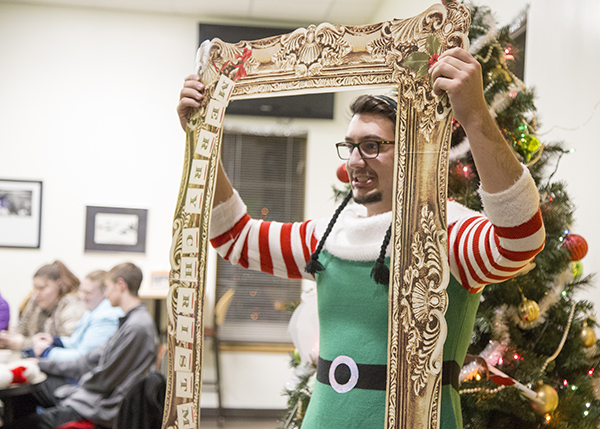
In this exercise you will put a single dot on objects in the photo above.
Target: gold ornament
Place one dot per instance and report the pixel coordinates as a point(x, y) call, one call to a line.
point(526, 146)
point(588, 336)
point(498, 73)
point(577, 268)
point(529, 310)
point(547, 397)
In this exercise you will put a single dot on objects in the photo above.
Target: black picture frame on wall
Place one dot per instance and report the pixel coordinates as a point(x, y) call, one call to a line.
point(20, 213)
point(115, 229)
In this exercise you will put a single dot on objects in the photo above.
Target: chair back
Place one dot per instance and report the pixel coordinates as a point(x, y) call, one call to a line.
point(222, 306)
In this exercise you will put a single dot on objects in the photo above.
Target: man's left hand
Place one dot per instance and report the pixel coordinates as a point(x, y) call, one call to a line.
point(459, 74)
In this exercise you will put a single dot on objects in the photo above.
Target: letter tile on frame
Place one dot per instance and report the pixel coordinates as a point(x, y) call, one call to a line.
point(186, 416)
point(186, 297)
point(199, 171)
point(190, 239)
point(193, 200)
point(184, 384)
point(185, 329)
point(206, 142)
point(189, 269)
point(183, 359)
point(215, 112)
point(223, 90)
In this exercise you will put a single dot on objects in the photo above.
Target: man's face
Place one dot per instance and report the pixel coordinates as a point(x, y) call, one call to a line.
point(91, 293)
point(372, 180)
point(112, 293)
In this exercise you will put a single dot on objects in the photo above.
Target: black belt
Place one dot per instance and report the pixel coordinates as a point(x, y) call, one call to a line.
point(370, 377)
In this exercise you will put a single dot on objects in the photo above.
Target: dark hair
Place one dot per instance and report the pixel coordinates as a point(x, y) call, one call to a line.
point(130, 274)
point(58, 271)
point(380, 272)
point(313, 265)
point(377, 104)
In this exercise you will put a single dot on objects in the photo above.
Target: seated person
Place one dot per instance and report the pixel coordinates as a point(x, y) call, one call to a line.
point(105, 374)
point(54, 307)
point(97, 325)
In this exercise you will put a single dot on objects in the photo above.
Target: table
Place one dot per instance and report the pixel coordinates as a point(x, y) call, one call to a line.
point(158, 296)
point(18, 394)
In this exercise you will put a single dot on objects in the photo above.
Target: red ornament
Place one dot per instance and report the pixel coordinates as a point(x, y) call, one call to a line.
point(342, 174)
point(576, 245)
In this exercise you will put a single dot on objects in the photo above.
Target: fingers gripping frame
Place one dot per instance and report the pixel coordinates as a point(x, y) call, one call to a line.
point(325, 58)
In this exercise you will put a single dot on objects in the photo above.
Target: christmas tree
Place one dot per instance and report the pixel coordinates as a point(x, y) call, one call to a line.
point(533, 350)
point(532, 328)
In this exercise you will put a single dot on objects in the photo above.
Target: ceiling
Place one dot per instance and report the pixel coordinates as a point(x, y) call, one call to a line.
point(301, 11)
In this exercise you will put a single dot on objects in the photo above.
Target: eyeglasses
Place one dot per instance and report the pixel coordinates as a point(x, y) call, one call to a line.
point(367, 149)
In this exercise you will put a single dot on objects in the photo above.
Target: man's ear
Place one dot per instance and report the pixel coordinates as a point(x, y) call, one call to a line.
point(121, 283)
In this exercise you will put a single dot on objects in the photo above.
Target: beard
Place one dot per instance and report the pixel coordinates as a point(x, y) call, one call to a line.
point(369, 199)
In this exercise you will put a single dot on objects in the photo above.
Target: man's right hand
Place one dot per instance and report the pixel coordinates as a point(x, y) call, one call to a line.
point(189, 101)
point(189, 98)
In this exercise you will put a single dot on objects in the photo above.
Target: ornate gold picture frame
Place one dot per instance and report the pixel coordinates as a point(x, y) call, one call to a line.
point(324, 58)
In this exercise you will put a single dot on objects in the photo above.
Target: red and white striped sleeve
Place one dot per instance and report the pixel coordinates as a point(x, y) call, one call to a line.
point(275, 248)
point(492, 249)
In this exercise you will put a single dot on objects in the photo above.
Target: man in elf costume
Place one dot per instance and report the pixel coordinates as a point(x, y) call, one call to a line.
point(346, 256)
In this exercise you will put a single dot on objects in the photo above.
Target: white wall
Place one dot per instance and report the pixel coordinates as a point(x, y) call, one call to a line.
point(87, 103)
point(562, 39)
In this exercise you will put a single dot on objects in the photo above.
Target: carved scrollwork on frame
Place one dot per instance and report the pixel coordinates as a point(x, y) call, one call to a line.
point(313, 59)
point(308, 50)
point(424, 301)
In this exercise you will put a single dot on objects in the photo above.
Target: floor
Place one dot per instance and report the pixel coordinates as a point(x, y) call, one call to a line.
point(235, 423)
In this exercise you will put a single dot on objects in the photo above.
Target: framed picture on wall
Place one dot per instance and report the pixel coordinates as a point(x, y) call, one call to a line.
point(115, 229)
point(20, 213)
point(159, 280)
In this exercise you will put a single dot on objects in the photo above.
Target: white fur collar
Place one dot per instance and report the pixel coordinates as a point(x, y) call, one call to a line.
point(355, 236)
point(358, 237)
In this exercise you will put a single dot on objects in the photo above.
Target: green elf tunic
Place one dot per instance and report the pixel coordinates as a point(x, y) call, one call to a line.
point(353, 317)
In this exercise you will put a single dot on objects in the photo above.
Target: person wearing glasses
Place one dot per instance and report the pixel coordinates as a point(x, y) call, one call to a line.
point(348, 254)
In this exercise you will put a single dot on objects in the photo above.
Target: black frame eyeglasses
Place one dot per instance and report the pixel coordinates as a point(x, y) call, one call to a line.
point(367, 149)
